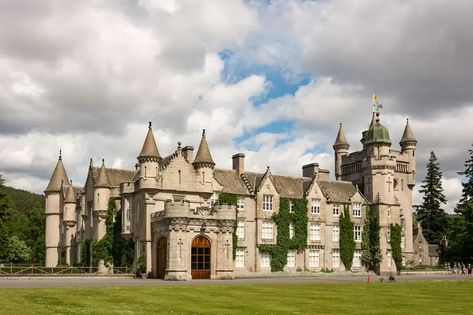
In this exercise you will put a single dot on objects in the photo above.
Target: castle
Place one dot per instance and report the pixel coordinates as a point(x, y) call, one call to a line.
point(170, 208)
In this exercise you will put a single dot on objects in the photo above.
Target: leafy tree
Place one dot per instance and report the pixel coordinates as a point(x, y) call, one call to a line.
point(17, 250)
point(433, 218)
point(371, 251)
point(5, 210)
point(347, 240)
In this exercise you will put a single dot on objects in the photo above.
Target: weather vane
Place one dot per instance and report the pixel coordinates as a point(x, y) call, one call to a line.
point(377, 106)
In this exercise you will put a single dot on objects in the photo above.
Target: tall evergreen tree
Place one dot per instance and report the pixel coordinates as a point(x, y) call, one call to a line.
point(371, 251)
point(347, 240)
point(433, 218)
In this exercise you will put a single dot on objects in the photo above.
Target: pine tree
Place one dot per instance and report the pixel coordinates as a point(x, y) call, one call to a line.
point(433, 218)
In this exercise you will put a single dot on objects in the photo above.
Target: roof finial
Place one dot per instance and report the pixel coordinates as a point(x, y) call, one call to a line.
point(203, 132)
point(71, 182)
point(60, 154)
point(149, 124)
point(341, 125)
point(91, 162)
point(103, 161)
point(179, 144)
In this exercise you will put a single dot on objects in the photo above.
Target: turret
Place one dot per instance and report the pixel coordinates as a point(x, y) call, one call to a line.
point(377, 139)
point(203, 162)
point(69, 220)
point(408, 146)
point(340, 147)
point(101, 198)
point(52, 211)
point(149, 157)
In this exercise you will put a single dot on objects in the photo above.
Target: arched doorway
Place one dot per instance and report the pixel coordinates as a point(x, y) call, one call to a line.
point(161, 257)
point(200, 258)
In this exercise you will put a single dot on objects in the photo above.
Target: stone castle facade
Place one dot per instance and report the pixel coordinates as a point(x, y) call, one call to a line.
point(169, 207)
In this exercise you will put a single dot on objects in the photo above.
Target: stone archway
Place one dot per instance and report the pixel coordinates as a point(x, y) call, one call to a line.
point(161, 258)
point(200, 258)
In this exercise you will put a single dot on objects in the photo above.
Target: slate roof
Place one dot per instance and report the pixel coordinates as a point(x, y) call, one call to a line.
point(341, 139)
point(115, 176)
point(254, 179)
point(408, 135)
point(289, 187)
point(59, 176)
point(203, 153)
point(337, 191)
point(231, 182)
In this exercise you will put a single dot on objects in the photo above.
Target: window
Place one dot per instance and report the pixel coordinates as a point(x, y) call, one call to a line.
point(336, 258)
point(291, 258)
point(291, 231)
point(335, 233)
point(314, 258)
point(357, 259)
point(357, 210)
point(390, 259)
point(291, 206)
point(267, 231)
point(315, 206)
point(314, 232)
point(403, 240)
point(240, 258)
point(267, 203)
point(241, 204)
point(336, 210)
point(357, 233)
point(265, 260)
point(241, 230)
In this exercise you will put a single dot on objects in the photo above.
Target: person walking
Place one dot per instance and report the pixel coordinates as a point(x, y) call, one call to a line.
point(469, 270)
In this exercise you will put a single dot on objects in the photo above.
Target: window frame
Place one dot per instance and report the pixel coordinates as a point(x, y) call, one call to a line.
point(268, 203)
point(315, 206)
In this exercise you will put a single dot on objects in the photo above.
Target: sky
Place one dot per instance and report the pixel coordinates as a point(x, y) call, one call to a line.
point(271, 79)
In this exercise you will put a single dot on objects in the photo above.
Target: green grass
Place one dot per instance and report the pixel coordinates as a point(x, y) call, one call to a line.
point(430, 297)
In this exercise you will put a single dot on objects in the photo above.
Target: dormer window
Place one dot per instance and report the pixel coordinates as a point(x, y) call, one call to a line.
point(267, 203)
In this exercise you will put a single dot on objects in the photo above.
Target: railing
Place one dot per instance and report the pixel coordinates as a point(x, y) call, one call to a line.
point(16, 270)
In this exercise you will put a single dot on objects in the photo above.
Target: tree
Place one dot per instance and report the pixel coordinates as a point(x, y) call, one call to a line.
point(347, 240)
point(17, 250)
point(433, 218)
point(460, 232)
point(5, 210)
point(371, 251)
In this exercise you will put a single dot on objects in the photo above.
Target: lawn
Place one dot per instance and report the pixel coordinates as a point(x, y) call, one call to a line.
point(430, 297)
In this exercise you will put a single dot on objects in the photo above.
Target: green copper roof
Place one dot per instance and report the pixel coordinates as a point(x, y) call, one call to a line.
point(59, 176)
point(102, 179)
point(149, 150)
point(408, 135)
point(377, 134)
point(203, 155)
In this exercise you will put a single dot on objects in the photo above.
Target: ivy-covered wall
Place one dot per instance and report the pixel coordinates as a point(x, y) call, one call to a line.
point(283, 218)
point(231, 200)
point(396, 250)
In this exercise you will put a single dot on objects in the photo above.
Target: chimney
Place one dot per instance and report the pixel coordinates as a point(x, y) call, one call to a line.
point(310, 170)
point(239, 163)
point(188, 152)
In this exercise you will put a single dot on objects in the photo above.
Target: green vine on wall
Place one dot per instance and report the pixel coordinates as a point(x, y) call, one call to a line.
point(347, 241)
point(231, 200)
point(283, 218)
point(396, 232)
point(371, 250)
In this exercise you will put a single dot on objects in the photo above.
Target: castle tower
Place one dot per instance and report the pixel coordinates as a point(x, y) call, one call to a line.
point(101, 198)
point(52, 212)
point(408, 146)
point(203, 162)
point(69, 221)
point(149, 157)
point(340, 147)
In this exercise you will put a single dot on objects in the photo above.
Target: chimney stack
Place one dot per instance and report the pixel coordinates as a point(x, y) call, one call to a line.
point(239, 163)
point(310, 170)
point(188, 152)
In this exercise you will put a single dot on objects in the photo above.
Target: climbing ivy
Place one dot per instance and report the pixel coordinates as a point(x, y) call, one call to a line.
point(347, 241)
point(283, 218)
point(396, 232)
point(231, 199)
point(371, 252)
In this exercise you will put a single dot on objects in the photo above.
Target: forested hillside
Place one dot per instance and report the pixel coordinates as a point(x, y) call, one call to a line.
point(22, 224)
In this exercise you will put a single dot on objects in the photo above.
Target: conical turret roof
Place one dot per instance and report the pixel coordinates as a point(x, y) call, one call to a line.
point(59, 176)
point(408, 135)
point(70, 197)
point(102, 179)
point(341, 139)
point(149, 150)
point(203, 155)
